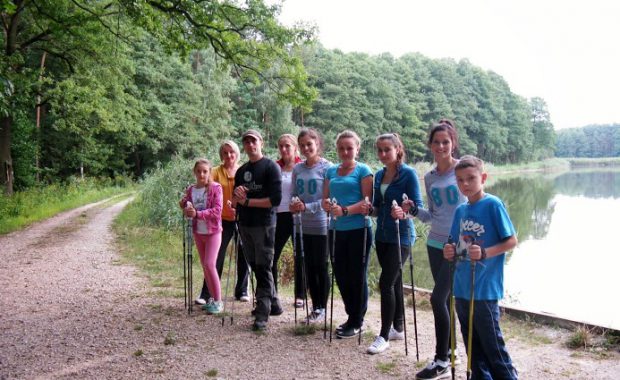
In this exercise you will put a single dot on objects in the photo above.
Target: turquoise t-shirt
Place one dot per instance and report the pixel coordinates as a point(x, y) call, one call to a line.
point(348, 190)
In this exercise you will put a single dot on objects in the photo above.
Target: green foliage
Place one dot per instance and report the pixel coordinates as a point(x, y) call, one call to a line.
point(590, 141)
point(158, 202)
point(41, 202)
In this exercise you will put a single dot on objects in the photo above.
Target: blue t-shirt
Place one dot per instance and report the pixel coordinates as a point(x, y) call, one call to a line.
point(485, 223)
point(348, 190)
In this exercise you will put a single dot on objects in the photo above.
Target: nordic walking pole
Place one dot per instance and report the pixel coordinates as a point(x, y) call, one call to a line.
point(415, 318)
point(184, 263)
point(295, 259)
point(190, 274)
point(359, 335)
point(470, 325)
point(327, 251)
point(400, 267)
point(452, 320)
point(332, 253)
point(304, 279)
point(233, 258)
point(190, 261)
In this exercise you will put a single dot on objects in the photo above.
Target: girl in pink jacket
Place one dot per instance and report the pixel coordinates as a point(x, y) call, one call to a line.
point(203, 203)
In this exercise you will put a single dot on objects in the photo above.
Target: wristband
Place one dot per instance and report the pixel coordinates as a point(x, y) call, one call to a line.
point(345, 211)
point(483, 253)
point(247, 202)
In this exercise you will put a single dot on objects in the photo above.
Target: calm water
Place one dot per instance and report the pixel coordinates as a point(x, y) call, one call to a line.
point(568, 258)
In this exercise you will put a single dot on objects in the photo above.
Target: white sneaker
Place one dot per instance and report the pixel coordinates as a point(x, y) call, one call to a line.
point(317, 316)
point(244, 298)
point(378, 346)
point(200, 301)
point(396, 335)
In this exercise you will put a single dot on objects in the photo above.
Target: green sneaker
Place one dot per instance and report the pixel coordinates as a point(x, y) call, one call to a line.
point(214, 307)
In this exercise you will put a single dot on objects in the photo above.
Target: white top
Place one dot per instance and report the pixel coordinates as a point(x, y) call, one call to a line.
point(200, 203)
point(287, 188)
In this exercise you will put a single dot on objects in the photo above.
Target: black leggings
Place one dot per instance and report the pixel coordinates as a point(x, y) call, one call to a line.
point(284, 230)
point(391, 285)
point(440, 301)
point(315, 258)
point(351, 275)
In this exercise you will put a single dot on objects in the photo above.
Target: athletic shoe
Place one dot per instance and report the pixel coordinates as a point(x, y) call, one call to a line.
point(244, 298)
point(342, 327)
point(433, 371)
point(299, 303)
point(378, 346)
point(349, 332)
point(317, 316)
point(214, 307)
point(200, 301)
point(259, 325)
point(396, 335)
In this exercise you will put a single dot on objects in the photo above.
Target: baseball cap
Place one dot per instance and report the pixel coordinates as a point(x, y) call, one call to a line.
point(252, 133)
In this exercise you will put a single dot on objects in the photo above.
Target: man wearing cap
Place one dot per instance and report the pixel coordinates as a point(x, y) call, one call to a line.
point(258, 189)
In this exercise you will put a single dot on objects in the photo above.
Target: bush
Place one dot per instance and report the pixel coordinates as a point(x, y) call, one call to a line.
point(161, 191)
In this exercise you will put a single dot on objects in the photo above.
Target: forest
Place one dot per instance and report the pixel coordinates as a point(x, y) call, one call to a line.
point(117, 87)
point(591, 141)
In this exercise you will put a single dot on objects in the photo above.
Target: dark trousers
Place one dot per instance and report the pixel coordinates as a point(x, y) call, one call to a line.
point(316, 275)
point(440, 301)
point(258, 247)
point(351, 271)
point(284, 230)
point(228, 234)
point(489, 357)
point(391, 285)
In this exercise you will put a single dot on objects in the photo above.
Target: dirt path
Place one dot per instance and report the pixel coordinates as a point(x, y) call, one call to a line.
point(69, 309)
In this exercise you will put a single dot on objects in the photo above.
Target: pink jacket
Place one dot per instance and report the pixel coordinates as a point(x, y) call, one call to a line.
point(212, 215)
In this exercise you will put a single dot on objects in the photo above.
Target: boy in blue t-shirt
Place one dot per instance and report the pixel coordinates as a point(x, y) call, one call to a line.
point(485, 233)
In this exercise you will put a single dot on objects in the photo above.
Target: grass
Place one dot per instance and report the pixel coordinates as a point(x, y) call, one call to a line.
point(388, 368)
point(26, 207)
point(580, 338)
point(211, 373)
point(525, 330)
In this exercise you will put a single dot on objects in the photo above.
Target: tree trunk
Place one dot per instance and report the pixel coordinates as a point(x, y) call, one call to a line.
point(6, 175)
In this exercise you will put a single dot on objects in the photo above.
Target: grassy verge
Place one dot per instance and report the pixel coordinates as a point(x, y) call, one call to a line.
point(158, 253)
point(26, 207)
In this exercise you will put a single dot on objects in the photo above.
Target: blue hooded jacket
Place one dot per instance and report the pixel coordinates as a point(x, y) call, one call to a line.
point(405, 182)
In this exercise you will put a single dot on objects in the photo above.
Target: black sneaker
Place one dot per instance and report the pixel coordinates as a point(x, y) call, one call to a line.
point(349, 332)
point(342, 327)
point(275, 310)
point(433, 371)
point(259, 325)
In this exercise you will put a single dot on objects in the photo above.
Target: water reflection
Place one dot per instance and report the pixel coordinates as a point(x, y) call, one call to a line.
point(564, 263)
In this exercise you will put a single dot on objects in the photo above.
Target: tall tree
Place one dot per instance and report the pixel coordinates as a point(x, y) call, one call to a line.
point(245, 34)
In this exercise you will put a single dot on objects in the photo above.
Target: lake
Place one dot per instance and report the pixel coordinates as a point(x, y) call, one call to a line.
point(567, 259)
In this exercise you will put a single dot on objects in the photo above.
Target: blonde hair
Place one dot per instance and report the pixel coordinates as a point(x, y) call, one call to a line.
point(394, 138)
point(349, 134)
point(291, 138)
point(233, 146)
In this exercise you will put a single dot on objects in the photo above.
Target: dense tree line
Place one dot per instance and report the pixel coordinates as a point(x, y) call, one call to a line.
point(589, 141)
point(117, 87)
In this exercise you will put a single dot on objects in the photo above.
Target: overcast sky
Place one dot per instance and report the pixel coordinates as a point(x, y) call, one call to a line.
point(567, 52)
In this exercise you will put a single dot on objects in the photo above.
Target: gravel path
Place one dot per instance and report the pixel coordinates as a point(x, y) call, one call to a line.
point(70, 309)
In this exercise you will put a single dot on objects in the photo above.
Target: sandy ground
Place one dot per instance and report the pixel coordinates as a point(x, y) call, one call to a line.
point(70, 309)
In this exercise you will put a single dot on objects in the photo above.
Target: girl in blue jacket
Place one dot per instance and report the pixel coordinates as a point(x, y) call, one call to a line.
point(395, 179)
